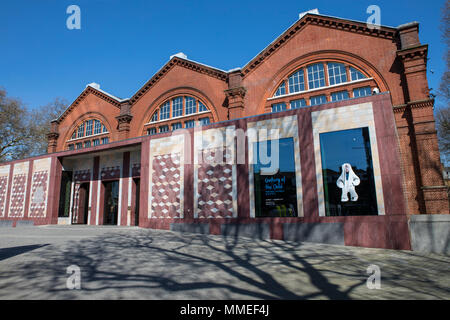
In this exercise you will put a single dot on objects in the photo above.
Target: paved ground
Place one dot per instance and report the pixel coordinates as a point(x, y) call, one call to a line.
point(133, 263)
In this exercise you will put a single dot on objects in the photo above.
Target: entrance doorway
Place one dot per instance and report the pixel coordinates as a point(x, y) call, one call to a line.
point(81, 215)
point(64, 194)
point(137, 191)
point(111, 204)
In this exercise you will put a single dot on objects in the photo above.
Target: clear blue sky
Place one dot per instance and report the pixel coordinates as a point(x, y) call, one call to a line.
point(121, 44)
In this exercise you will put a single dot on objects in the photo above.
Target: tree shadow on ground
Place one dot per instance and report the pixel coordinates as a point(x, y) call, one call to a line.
point(154, 264)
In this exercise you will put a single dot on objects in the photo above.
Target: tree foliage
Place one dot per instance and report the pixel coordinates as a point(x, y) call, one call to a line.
point(23, 132)
point(443, 114)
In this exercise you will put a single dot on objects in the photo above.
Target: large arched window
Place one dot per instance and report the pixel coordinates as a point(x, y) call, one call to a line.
point(320, 82)
point(91, 132)
point(176, 113)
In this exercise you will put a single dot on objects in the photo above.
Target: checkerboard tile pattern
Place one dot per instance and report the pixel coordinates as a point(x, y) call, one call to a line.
point(166, 186)
point(3, 192)
point(215, 184)
point(39, 194)
point(17, 202)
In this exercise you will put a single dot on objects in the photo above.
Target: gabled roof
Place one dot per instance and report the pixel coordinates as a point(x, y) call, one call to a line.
point(181, 60)
point(320, 20)
point(184, 62)
point(95, 91)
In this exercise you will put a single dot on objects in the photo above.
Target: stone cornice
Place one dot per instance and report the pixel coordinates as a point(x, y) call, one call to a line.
point(177, 61)
point(124, 118)
point(429, 103)
point(413, 53)
point(324, 21)
point(239, 91)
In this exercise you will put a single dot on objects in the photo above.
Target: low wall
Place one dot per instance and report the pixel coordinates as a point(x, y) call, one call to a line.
point(430, 233)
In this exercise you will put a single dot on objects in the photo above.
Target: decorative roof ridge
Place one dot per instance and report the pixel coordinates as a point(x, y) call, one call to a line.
point(95, 91)
point(323, 20)
point(183, 62)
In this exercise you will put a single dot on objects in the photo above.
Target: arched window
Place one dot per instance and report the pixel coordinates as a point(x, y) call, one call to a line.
point(318, 83)
point(176, 113)
point(85, 135)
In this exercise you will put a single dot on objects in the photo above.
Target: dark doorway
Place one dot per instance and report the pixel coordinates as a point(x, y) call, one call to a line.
point(111, 204)
point(64, 194)
point(137, 188)
point(81, 216)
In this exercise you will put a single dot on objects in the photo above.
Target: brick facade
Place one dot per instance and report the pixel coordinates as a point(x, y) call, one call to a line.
point(393, 62)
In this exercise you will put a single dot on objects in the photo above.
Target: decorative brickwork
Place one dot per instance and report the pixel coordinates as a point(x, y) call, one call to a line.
point(39, 194)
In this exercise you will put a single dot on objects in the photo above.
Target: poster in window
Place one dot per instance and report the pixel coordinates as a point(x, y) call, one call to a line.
point(276, 193)
point(347, 170)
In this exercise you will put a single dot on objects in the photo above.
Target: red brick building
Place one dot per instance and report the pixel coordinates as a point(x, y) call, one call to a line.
point(326, 84)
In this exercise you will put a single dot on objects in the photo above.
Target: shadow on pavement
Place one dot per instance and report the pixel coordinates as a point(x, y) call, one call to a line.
point(6, 253)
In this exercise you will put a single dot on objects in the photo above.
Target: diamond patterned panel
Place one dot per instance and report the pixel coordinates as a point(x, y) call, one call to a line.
point(166, 180)
point(38, 194)
point(215, 185)
point(3, 190)
point(16, 208)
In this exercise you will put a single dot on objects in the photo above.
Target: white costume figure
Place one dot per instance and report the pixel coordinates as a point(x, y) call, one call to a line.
point(347, 182)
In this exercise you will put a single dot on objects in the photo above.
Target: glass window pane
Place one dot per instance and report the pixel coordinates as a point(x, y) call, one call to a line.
point(189, 124)
point(201, 107)
point(176, 126)
point(105, 140)
point(281, 90)
point(96, 142)
point(164, 112)
point(356, 75)
point(278, 107)
point(362, 92)
point(151, 131)
point(316, 76)
point(204, 121)
point(164, 129)
point(298, 104)
point(177, 107)
point(275, 193)
point(87, 144)
point(318, 100)
point(297, 82)
point(154, 117)
point(348, 180)
point(89, 127)
point(191, 105)
point(80, 131)
point(338, 96)
point(79, 145)
point(336, 73)
point(97, 127)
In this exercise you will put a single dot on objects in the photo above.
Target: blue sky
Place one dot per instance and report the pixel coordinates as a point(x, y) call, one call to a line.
point(121, 44)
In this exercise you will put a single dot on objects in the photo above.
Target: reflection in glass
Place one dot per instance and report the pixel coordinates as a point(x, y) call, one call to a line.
point(351, 191)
